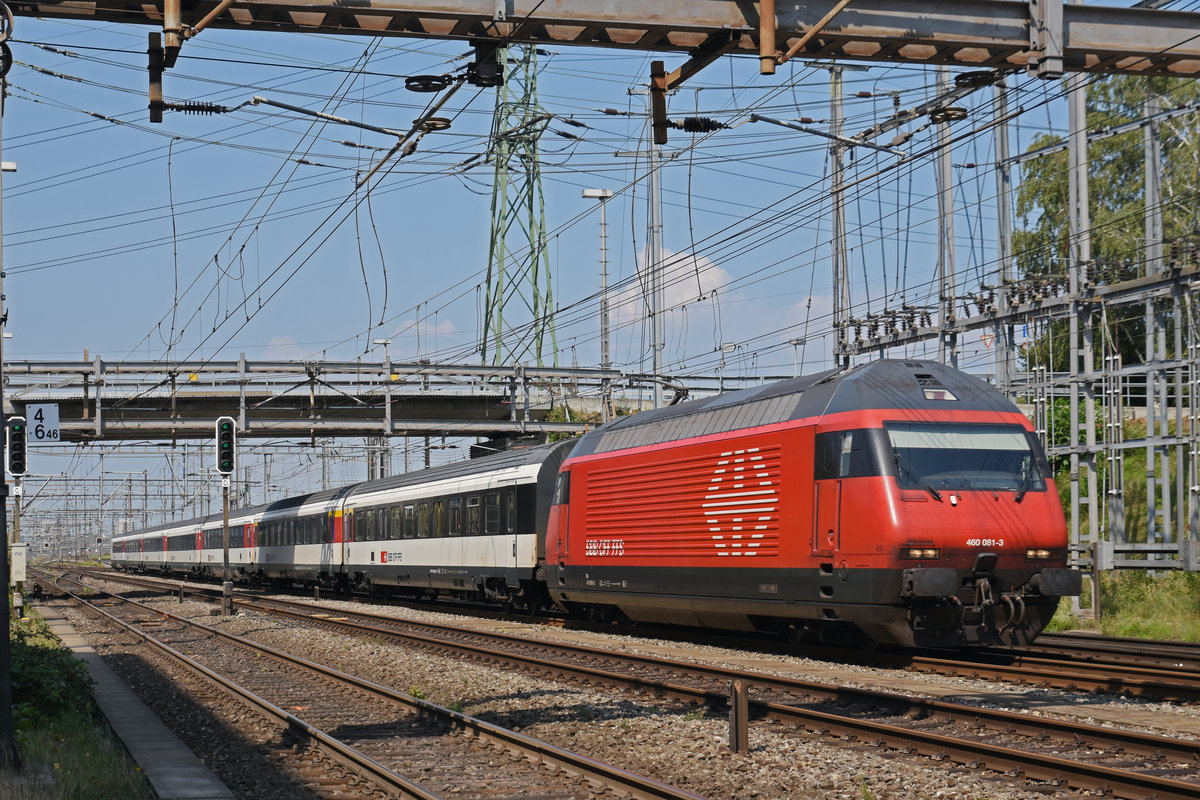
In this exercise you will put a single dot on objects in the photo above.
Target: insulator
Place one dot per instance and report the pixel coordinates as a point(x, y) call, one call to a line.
point(698, 125)
point(197, 107)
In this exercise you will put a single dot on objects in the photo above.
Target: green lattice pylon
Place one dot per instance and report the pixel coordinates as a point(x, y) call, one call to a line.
point(518, 312)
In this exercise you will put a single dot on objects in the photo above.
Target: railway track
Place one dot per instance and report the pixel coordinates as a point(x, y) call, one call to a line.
point(1159, 670)
point(382, 735)
point(1096, 649)
point(1124, 763)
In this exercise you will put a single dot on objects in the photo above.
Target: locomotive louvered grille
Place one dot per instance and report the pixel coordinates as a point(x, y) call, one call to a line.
point(704, 421)
point(718, 504)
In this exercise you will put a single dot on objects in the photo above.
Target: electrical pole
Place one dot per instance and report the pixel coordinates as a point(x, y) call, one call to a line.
point(1004, 329)
point(655, 283)
point(10, 757)
point(841, 275)
point(605, 361)
point(947, 339)
point(1080, 366)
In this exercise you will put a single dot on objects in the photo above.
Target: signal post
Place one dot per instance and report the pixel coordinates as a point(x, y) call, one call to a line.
point(226, 464)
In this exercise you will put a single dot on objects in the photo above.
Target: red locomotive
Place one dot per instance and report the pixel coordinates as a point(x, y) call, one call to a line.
point(899, 502)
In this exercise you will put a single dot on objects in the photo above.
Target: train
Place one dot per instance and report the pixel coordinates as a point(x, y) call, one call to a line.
point(897, 502)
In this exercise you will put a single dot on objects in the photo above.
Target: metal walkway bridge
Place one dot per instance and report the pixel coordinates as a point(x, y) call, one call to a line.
point(149, 400)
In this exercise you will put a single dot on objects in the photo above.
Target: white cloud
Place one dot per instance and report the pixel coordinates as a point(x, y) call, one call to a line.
point(285, 348)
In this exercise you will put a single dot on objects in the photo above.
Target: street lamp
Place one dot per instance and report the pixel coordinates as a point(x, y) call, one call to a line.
point(796, 345)
point(605, 362)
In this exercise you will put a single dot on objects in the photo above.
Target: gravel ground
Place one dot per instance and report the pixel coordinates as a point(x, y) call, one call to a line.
point(676, 744)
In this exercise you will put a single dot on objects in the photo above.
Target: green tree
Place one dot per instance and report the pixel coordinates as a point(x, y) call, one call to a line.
point(1116, 174)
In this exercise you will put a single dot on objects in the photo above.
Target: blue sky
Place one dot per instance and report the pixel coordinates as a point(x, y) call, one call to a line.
point(108, 221)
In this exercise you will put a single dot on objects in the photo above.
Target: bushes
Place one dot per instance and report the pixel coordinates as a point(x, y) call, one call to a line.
point(57, 728)
point(1141, 604)
point(47, 680)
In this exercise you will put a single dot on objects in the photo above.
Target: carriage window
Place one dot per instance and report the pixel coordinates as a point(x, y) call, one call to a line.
point(423, 521)
point(395, 523)
point(512, 511)
point(454, 516)
point(491, 513)
point(410, 521)
point(474, 516)
point(439, 517)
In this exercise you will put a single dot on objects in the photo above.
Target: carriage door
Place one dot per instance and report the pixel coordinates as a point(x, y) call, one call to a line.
point(831, 451)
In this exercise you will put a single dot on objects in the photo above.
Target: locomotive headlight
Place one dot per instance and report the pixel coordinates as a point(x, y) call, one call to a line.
point(1038, 554)
point(920, 553)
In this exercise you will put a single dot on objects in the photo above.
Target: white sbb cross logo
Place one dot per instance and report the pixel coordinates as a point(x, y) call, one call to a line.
point(741, 500)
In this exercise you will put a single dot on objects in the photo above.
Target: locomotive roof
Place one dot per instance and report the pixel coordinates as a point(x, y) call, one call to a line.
point(885, 384)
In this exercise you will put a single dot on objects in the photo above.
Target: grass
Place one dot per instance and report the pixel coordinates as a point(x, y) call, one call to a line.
point(1141, 604)
point(68, 753)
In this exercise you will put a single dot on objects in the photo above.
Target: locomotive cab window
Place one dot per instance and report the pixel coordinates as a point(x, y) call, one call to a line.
point(966, 456)
point(854, 453)
point(562, 489)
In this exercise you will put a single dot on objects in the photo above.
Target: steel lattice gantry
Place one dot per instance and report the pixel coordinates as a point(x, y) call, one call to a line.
point(1043, 34)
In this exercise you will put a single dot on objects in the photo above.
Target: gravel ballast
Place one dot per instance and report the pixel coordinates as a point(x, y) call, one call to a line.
point(677, 744)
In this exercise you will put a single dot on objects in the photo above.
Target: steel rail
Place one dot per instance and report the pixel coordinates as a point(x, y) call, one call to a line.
point(637, 786)
point(1133, 741)
point(1140, 681)
point(1096, 649)
point(1116, 678)
point(1079, 775)
point(347, 756)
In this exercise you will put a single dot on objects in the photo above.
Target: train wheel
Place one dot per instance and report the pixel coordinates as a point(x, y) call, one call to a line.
point(794, 632)
point(864, 641)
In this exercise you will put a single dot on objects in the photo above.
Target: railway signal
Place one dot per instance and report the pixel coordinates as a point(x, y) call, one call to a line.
point(15, 446)
point(226, 445)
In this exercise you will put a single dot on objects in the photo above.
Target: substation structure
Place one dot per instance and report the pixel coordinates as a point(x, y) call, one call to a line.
point(1103, 395)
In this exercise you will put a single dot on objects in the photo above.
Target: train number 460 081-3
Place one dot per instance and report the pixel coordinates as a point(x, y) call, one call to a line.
point(604, 547)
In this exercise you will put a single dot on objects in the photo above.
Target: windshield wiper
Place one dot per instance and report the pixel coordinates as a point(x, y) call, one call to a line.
point(919, 479)
point(1026, 484)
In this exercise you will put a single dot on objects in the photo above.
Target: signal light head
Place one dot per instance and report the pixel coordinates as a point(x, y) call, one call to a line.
point(226, 445)
point(15, 450)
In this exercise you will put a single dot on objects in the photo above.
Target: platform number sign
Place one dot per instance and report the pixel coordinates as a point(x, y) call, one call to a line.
point(226, 445)
point(43, 423)
point(15, 446)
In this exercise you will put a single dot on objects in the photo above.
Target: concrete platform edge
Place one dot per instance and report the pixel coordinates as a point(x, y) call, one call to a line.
point(173, 770)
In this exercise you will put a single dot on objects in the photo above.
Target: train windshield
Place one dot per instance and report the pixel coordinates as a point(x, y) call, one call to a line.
point(935, 456)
